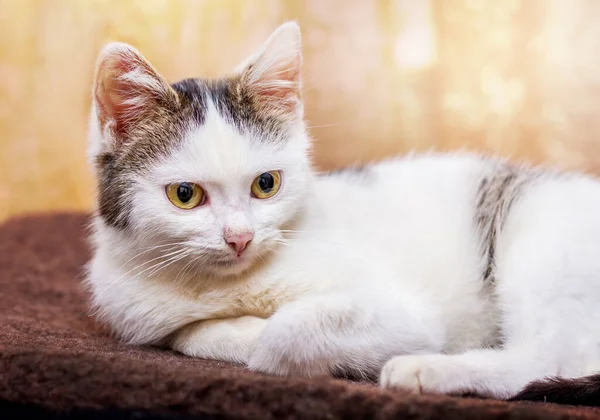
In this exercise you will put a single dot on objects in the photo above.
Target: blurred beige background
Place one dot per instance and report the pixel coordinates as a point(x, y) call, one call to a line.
point(518, 78)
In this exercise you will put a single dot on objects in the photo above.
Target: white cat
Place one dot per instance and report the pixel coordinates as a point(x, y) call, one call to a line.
point(447, 273)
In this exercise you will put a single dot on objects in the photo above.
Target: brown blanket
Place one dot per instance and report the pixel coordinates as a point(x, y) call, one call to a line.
point(54, 358)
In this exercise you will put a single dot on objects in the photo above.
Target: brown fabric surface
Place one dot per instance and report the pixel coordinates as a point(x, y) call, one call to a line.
point(52, 354)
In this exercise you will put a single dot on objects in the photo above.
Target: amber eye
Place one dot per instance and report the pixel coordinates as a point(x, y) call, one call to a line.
point(185, 195)
point(266, 184)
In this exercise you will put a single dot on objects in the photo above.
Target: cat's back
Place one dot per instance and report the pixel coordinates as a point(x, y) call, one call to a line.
point(417, 211)
point(416, 187)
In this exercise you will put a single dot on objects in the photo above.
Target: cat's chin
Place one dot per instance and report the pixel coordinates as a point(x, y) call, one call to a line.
point(231, 267)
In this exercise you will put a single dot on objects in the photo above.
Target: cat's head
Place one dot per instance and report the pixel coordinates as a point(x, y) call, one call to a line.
point(216, 168)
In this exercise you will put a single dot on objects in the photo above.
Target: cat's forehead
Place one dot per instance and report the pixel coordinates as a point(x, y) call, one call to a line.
point(217, 150)
point(232, 101)
point(207, 111)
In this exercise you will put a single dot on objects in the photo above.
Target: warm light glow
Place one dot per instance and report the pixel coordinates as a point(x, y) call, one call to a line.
point(515, 77)
point(415, 46)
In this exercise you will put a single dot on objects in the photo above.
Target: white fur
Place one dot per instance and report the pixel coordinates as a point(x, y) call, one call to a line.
point(356, 272)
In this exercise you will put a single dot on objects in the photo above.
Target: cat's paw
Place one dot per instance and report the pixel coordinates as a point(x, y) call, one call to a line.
point(295, 342)
point(417, 374)
point(284, 353)
point(228, 339)
point(318, 336)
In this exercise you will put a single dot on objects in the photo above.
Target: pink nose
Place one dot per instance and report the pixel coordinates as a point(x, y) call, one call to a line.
point(239, 242)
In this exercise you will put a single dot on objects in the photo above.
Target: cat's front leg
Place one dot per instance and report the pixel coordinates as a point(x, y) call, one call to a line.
point(344, 333)
point(494, 373)
point(230, 339)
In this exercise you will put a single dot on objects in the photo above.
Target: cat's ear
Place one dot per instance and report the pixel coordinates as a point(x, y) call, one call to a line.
point(127, 90)
point(272, 75)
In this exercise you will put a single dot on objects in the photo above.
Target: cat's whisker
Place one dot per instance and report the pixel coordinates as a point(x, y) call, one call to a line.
point(133, 269)
point(194, 265)
point(169, 254)
point(190, 264)
point(310, 127)
point(288, 241)
point(164, 264)
point(326, 249)
point(182, 271)
point(162, 268)
point(154, 248)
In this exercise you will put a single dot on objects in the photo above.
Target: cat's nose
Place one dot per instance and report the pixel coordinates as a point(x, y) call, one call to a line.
point(239, 242)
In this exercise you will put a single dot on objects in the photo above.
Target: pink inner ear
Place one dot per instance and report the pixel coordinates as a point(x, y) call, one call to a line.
point(120, 100)
point(284, 83)
point(280, 86)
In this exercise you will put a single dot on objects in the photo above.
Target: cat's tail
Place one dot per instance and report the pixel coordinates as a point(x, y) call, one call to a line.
point(579, 391)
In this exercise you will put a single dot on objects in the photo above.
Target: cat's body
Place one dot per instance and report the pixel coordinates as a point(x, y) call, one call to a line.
point(480, 276)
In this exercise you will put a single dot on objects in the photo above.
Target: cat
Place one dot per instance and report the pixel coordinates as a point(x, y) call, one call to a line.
point(434, 273)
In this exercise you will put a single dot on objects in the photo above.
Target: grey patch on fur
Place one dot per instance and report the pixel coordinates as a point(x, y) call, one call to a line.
point(195, 95)
point(236, 104)
point(113, 200)
point(496, 193)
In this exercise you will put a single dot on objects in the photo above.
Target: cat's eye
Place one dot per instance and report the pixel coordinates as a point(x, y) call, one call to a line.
point(185, 195)
point(266, 184)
